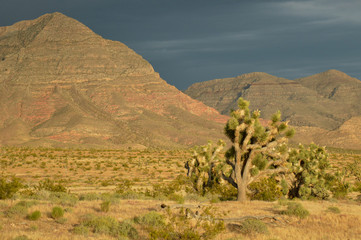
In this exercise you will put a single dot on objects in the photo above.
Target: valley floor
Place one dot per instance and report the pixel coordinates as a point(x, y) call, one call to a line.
point(92, 176)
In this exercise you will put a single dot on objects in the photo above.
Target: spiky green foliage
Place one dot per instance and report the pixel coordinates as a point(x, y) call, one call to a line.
point(203, 167)
point(257, 151)
point(308, 172)
point(267, 190)
point(9, 186)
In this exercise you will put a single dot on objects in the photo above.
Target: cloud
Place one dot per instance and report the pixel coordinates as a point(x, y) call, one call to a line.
point(324, 11)
point(217, 43)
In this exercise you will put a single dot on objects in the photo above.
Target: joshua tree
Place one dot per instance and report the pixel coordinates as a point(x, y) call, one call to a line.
point(308, 172)
point(256, 151)
point(202, 168)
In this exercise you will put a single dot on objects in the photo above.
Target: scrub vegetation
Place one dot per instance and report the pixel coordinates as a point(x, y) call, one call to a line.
point(49, 193)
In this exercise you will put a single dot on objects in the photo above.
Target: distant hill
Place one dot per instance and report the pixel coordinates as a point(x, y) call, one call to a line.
point(63, 85)
point(324, 102)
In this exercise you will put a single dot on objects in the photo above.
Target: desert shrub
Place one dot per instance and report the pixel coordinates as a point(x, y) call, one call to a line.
point(105, 206)
point(151, 219)
point(296, 209)
point(338, 185)
point(63, 198)
point(113, 198)
point(267, 190)
point(354, 169)
point(16, 210)
point(125, 185)
point(21, 237)
point(171, 191)
point(195, 197)
point(127, 229)
point(40, 195)
point(34, 215)
point(110, 226)
point(8, 187)
point(57, 212)
point(180, 225)
point(20, 208)
point(81, 230)
point(357, 186)
point(50, 185)
point(176, 197)
point(89, 197)
point(26, 204)
point(61, 220)
point(253, 226)
point(226, 192)
point(334, 210)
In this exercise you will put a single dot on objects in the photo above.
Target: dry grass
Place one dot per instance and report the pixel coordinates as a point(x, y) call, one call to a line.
point(81, 170)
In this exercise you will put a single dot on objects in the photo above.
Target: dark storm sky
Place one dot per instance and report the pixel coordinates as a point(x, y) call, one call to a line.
point(190, 41)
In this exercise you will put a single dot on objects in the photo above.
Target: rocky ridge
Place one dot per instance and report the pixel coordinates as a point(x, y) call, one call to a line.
point(60, 83)
point(325, 104)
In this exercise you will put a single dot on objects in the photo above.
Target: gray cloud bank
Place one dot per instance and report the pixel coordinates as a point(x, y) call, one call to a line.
point(191, 41)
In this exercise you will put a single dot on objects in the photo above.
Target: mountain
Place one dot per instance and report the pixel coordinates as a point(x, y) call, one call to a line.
point(63, 85)
point(337, 86)
point(323, 103)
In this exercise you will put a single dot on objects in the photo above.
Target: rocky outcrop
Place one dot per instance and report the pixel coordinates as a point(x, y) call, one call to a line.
point(65, 84)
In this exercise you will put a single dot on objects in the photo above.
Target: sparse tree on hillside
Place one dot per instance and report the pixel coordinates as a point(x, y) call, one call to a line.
point(256, 151)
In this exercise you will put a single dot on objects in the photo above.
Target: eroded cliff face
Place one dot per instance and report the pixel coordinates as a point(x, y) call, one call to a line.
point(62, 83)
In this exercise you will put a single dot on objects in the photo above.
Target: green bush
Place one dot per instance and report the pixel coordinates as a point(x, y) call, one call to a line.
point(334, 210)
point(180, 226)
point(20, 208)
point(16, 210)
point(125, 185)
point(34, 215)
point(151, 219)
point(105, 206)
point(81, 230)
point(176, 197)
point(110, 226)
point(127, 229)
point(266, 190)
point(63, 198)
point(57, 212)
point(50, 185)
point(252, 226)
point(337, 184)
point(26, 204)
point(357, 186)
point(8, 187)
point(61, 220)
point(21, 237)
point(89, 197)
point(295, 209)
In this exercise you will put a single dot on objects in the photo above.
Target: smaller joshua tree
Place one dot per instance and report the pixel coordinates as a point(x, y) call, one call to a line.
point(308, 172)
point(203, 167)
point(256, 151)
